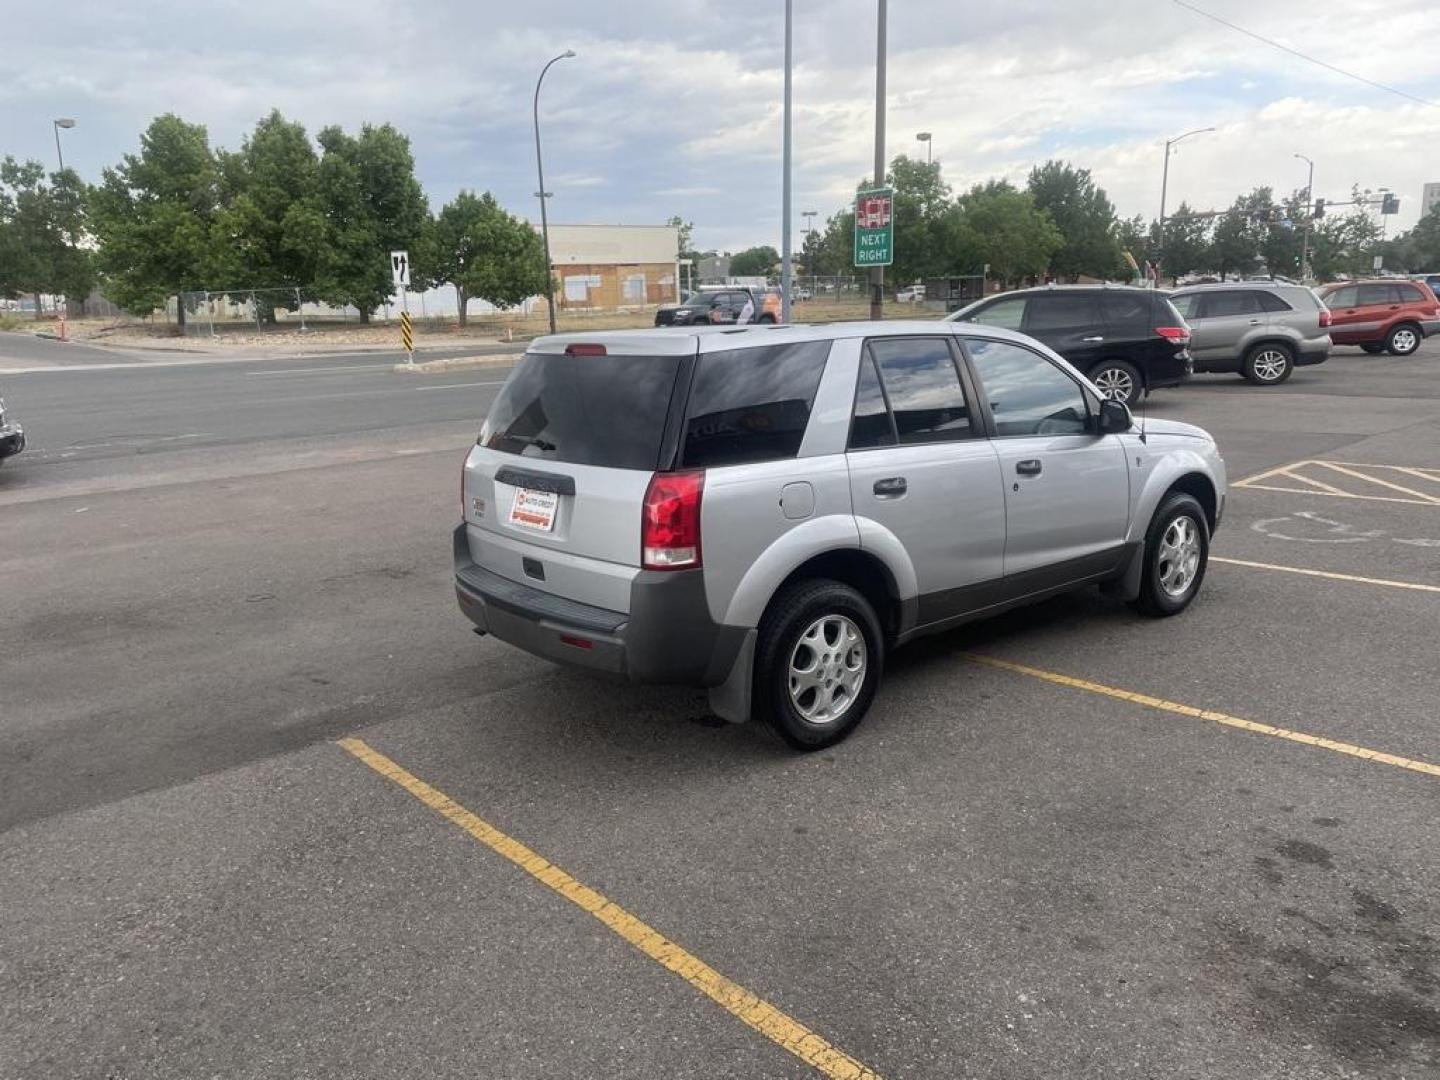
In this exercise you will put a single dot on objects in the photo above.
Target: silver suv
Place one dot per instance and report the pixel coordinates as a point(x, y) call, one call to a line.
point(767, 512)
point(1263, 330)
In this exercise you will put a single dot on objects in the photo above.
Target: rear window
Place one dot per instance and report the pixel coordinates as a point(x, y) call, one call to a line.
point(1126, 309)
point(750, 405)
point(1271, 302)
point(585, 410)
point(1406, 294)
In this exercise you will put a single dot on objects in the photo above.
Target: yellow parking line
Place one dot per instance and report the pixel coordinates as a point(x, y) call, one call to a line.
point(759, 1014)
point(1329, 489)
point(1376, 480)
point(1414, 470)
point(1332, 575)
point(1208, 714)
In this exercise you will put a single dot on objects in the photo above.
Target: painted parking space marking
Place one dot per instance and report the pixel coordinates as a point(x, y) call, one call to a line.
point(754, 1011)
point(1332, 575)
point(1211, 715)
point(1351, 480)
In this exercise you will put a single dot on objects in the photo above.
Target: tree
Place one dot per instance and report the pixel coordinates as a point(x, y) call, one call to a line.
point(271, 208)
point(372, 205)
point(754, 262)
point(42, 227)
point(485, 253)
point(1085, 217)
point(997, 224)
point(922, 199)
point(1242, 234)
point(1343, 244)
point(1417, 251)
point(1187, 243)
point(154, 218)
point(1137, 237)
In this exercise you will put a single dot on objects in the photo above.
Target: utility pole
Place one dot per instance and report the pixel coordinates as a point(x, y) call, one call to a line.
point(1164, 185)
point(542, 194)
point(877, 273)
point(1305, 225)
point(785, 267)
point(66, 123)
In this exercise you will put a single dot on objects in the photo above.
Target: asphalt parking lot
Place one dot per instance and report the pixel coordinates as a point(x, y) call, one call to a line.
point(268, 809)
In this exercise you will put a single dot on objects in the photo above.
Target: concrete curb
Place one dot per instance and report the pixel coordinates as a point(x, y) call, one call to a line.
point(458, 363)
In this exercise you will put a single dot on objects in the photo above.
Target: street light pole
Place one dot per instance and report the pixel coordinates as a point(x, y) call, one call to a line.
point(1305, 225)
point(924, 136)
point(1164, 186)
point(877, 273)
point(785, 267)
point(542, 194)
point(63, 122)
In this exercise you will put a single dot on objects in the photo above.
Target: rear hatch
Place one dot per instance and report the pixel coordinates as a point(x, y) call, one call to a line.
point(555, 487)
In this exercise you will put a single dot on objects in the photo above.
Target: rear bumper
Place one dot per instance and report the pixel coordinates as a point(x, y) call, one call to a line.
point(1312, 353)
point(1166, 371)
point(1430, 326)
point(12, 440)
point(666, 637)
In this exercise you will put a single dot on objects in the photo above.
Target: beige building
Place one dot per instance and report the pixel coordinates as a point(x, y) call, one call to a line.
point(605, 267)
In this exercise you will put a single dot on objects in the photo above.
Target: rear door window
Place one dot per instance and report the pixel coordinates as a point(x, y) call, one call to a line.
point(1374, 295)
point(1126, 309)
point(871, 425)
point(1270, 302)
point(1219, 305)
point(922, 387)
point(750, 405)
point(584, 410)
point(1060, 311)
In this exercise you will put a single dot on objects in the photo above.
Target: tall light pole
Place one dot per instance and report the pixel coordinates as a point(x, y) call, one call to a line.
point(877, 273)
point(542, 194)
point(924, 136)
point(785, 267)
point(63, 122)
point(1305, 225)
point(1164, 186)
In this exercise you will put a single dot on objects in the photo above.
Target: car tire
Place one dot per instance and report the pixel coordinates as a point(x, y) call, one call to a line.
point(1177, 552)
point(1118, 379)
point(1403, 339)
point(1268, 364)
point(1374, 348)
point(826, 630)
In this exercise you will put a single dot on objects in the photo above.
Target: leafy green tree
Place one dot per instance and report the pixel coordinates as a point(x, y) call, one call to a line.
point(42, 229)
point(922, 199)
point(997, 224)
point(1417, 251)
point(372, 205)
point(485, 253)
point(1242, 234)
point(271, 207)
point(1187, 243)
point(1343, 244)
point(154, 218)
point(754, 262)
point(829, 251)
point(1136, 236)
point(1085, 217)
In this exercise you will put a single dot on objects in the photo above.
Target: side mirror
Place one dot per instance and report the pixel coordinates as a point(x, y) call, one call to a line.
point(1114, 417)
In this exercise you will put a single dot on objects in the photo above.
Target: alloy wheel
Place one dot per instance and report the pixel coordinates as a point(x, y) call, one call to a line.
point(1270, 364)
point(1179, 555)
point(1115, 383)
point(827, 669)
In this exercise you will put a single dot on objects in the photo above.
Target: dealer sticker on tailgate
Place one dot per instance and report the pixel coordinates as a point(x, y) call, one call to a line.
point(534, 509)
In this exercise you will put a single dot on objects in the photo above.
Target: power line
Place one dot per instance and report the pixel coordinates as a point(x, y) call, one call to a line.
point(1304, 56)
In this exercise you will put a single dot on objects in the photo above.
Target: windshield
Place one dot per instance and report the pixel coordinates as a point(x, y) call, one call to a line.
point(563, 408)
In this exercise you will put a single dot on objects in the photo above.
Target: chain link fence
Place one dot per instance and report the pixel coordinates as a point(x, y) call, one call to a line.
point(289, 309)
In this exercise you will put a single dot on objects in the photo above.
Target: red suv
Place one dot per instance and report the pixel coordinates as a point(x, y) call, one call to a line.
point(1381, 316)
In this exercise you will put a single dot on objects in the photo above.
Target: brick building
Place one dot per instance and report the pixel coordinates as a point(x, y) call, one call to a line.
point(605, 267)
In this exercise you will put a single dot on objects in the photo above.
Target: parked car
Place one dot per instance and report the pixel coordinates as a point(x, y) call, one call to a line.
point(910, 294)
point(1128, 341)
point(1432, 280)
point(722, 306)
point(1382, 316)
point(799, 293)
point(1261, 330)
point(767, 513)
point(12, 435)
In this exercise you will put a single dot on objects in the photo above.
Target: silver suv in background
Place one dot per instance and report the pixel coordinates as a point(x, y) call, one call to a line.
point(1262, 330)
point(767, 512)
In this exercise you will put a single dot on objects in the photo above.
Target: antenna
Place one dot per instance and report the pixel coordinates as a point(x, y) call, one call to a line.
point(1143, 395)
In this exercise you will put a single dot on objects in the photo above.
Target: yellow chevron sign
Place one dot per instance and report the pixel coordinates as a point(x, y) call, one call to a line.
point(407, 332)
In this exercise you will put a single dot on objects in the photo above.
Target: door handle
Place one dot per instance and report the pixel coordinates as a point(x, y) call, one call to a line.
point(892, 487)
point(1028, 467)
point(1095, 338)
point(1254, 322)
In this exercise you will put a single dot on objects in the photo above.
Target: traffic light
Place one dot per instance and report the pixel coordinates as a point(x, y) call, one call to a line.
point(1319, 208)
point(1390, 204)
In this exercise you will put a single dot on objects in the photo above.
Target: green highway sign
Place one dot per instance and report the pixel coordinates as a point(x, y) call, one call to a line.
point(874, 227)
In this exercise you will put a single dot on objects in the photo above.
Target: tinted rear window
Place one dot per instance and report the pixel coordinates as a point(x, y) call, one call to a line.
point(1059, 311)
point(585, 410)
point(1374, 294)
point(1270, 302)
point(1406, 294)
point(1126, 309)
point(752, 404)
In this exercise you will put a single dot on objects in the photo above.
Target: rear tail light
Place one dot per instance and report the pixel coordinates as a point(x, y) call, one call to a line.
point(1178, 334)
point(585, 348)
point(670, 527)
point(1326, 319)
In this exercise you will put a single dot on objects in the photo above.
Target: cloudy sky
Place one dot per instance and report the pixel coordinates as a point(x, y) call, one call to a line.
point(674, 107)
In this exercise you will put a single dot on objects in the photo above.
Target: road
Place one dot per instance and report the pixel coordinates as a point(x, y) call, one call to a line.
point(213, 572)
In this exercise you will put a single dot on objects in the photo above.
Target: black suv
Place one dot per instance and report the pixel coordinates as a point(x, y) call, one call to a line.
point(721, 306)
point(1127, 341)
